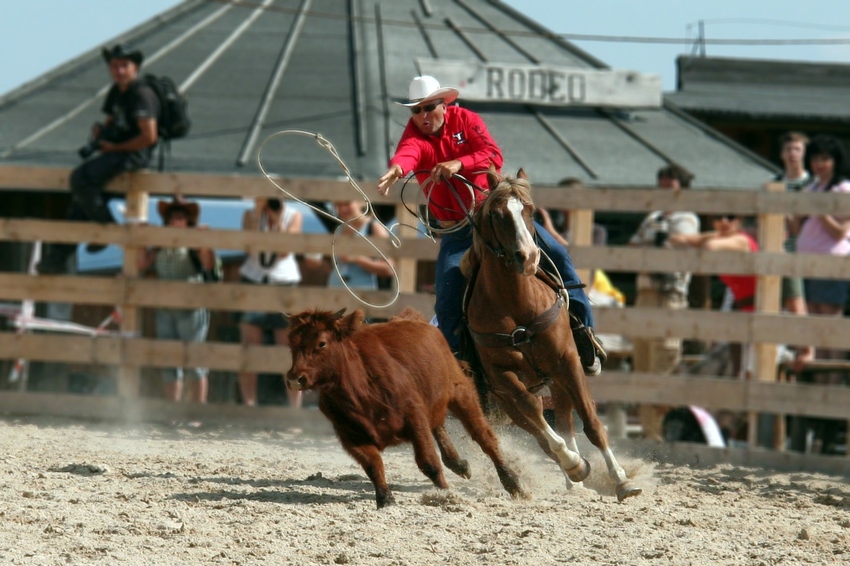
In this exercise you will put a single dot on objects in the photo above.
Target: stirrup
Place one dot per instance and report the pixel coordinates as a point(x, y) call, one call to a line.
point(597, 345)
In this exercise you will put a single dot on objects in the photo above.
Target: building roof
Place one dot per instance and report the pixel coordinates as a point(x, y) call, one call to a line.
point(336, 68)
point(761, 88)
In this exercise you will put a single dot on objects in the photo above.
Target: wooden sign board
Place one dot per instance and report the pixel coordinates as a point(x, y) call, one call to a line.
point(545, 84)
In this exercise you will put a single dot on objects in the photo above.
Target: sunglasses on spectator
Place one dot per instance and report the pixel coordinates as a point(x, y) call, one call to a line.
point(727, 217)
point(427, 108)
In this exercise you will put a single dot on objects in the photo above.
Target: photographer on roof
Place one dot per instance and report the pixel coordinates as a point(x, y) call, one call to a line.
point(123, 142)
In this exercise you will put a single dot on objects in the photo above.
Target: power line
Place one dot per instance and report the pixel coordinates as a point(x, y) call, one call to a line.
point(772, 22)
point(567, 36)
point(686, 41)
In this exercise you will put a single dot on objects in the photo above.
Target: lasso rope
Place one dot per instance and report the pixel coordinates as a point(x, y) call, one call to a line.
point(343, 224)
point(427, 189)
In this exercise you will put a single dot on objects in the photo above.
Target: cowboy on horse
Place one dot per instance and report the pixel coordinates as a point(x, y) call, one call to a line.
point(439, 143)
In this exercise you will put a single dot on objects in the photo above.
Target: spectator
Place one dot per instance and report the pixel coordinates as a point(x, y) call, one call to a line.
point(180, 264)
point(827, 233)
point(662, 290)
point(124, 142)
point(795, 176)
point(358, 271)
point(793, 156)
point(728, 235)
point(272, 268)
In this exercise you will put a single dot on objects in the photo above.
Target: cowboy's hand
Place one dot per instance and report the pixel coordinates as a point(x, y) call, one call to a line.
point(445, 170)
point(391, 176)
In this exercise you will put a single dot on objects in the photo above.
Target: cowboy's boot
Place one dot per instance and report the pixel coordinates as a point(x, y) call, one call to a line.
point(590, 349)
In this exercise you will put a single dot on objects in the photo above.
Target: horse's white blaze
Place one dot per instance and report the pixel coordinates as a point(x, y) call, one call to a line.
point(524, 238)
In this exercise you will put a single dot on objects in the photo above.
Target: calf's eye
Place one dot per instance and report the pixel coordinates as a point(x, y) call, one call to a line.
point(322, 345)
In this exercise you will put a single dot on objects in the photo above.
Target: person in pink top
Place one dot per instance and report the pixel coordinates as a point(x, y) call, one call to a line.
point(825, 234)
point(440, 141)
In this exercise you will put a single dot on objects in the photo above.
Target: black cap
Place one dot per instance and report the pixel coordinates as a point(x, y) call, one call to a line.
point(121, 51)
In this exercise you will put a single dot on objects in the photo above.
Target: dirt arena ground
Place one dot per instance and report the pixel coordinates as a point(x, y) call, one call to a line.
point(75, 492)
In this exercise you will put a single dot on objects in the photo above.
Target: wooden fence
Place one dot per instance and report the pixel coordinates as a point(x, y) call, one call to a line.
point(765, 328)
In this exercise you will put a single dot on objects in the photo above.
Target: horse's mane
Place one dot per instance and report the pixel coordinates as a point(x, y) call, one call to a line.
point(509, 186)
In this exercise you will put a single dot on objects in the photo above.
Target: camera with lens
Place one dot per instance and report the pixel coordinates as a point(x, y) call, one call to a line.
point(88, 150)
point(274, 204)
point(104, 134)
point(661, 231)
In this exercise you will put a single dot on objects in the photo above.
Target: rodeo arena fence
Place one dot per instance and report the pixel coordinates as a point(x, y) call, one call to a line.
point(766, 391)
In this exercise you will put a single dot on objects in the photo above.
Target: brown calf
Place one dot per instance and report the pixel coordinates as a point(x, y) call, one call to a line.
point(384, 384)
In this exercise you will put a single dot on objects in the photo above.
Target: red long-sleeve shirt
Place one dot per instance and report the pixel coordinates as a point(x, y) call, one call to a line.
point(464, 136)
point(743, 287)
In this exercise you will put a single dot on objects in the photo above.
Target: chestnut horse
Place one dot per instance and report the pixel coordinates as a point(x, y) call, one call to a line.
point(522, 333)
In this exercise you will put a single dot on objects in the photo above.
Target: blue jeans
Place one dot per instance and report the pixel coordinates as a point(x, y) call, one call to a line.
point(88, 203)
point(450, 281)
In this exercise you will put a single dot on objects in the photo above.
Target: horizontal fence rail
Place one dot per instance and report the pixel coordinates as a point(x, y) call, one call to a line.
point(764, 328)
point(746, 201)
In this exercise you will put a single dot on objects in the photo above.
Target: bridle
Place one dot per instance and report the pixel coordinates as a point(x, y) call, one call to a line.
point(498, 250)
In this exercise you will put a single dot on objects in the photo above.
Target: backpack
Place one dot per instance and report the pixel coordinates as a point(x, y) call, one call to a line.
point(173, 121)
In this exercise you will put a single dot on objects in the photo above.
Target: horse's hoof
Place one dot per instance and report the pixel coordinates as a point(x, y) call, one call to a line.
point(627, 489)
point(580, 472)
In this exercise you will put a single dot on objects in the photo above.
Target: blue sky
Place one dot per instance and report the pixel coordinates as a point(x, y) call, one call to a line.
point(37, 35)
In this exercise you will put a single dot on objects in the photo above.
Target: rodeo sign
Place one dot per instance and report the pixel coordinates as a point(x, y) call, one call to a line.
point(546, 84)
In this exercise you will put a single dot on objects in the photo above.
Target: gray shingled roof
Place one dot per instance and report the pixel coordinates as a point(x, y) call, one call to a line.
point(763, 88)
point(342, 65)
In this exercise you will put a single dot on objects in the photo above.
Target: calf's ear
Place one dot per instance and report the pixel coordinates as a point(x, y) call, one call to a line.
point(349, 324)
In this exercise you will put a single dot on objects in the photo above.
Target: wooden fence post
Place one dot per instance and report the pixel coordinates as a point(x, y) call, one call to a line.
point(771, 236)
point(581, 234)
point(406, 267)
point(136, 212)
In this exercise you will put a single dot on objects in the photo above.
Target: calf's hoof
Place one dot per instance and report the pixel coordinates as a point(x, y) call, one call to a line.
point(385, 499)
point(580, 472)
point(461, 468)
point(510, 481)
point(627, 489)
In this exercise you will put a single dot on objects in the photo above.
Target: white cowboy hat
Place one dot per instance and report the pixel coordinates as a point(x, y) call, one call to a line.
point(425, 88)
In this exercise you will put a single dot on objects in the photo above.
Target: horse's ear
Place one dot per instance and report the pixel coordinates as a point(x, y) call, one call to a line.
point(493, 177)
point(521, 174)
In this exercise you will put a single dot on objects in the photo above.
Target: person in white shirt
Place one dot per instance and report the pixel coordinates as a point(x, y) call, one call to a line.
point(270, 268)
point(662, 290)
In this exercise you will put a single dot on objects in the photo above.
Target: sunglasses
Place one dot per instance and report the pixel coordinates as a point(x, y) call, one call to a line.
point(426, 108)
point(727, 217)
